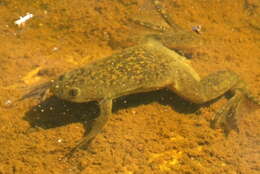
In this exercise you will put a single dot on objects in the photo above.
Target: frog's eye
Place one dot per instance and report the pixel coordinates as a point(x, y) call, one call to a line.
point(61, 77)
point(74, 92)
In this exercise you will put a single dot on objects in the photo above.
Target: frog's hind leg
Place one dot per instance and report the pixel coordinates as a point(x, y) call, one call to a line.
point(240, 103)
point(148, 25)
point(167, 18)
point(212, 87)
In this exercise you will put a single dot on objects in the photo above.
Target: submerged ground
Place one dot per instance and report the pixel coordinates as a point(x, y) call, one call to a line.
point(155, 132)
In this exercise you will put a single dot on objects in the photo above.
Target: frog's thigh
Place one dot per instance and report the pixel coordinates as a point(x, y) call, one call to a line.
point(209, 88)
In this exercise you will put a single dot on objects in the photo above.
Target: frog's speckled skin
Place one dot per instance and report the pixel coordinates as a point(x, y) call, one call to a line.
point(146, 67)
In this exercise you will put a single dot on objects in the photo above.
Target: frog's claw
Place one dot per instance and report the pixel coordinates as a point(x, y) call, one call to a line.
point(39, 91)
point(226, 116)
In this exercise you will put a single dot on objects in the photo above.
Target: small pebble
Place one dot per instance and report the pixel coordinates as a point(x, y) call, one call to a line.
point(55, 49)
point(197, 29)
point(8, 102)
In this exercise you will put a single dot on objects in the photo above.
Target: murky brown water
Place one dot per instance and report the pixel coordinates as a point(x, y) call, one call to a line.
point(156, 132)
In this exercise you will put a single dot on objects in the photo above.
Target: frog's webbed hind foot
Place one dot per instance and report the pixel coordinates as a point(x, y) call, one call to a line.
point(226, 116)
point(170, 24)
point(229, 116)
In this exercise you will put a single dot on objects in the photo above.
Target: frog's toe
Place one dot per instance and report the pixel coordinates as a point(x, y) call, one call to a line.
point(229, 116)
point(40, 91)
point(226, 118)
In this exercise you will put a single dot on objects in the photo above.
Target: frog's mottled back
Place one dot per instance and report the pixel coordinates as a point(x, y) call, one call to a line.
point(146, 67)
point(142, 68)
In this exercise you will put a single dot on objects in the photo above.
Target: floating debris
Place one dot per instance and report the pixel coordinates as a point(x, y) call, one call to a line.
point(21, 22)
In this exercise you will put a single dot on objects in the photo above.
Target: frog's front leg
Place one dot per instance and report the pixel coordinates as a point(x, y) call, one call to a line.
point(214, 86)
point(96, 125)
point(99, 122)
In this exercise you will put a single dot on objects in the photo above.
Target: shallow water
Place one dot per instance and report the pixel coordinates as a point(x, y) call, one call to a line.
point(155, 132)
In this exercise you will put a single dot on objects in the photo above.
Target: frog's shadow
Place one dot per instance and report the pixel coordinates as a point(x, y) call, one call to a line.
point(54, 112)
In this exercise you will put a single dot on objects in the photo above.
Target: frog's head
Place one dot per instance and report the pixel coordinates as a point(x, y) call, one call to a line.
point(65, 92)
point(68, 88)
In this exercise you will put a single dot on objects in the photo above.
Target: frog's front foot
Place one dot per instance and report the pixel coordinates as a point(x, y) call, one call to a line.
point(41, 91)
point(84, 142)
